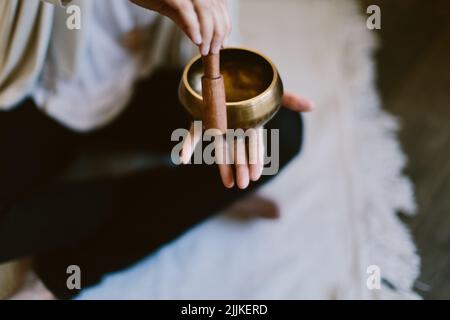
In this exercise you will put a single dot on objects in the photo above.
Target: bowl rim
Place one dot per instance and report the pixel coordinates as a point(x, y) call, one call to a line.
point(241, 103)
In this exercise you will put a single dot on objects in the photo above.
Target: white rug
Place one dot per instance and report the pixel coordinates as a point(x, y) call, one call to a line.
point(338, 200)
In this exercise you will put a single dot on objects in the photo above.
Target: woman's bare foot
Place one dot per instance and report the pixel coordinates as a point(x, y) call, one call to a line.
point(12, 276)
point(33, 289)
point(19, 282)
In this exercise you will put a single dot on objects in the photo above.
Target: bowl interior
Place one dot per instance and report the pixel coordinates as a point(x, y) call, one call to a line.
point(246, 74)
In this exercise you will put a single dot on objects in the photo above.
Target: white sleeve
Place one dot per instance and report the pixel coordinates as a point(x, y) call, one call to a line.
point(59, 2)
point(26, 28)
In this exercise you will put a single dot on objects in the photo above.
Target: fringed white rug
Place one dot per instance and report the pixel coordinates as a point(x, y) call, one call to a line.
point(338, 200)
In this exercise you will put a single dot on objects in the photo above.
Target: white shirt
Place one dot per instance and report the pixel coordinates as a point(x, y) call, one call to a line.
point(84, 78)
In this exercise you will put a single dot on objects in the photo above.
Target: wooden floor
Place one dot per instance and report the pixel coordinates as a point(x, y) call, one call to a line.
point(414, 82)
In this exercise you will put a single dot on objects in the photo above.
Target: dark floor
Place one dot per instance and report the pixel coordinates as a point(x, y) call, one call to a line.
point(414, 82)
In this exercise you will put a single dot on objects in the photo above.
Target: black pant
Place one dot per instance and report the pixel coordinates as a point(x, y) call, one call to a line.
point(103, 225)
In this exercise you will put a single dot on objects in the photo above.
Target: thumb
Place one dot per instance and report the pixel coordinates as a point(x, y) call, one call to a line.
point(297, 103)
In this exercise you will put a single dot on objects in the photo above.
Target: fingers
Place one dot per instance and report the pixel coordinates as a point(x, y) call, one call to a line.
point(206, 22)
point(256, 154)
point(215, 24)
point(189, 21)
point(189, 144)
point(240, 160)
point(220, 27)
point(222, 155)
point(203, 9)
point(228, 28)
point(296, 103)
point(182, 12)
point(248, 162)
point(219, 32)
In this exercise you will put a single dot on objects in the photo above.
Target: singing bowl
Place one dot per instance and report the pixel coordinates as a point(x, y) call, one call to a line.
point(252, 84)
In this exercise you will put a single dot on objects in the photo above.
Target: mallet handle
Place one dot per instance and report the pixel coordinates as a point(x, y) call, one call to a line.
point(213, 91)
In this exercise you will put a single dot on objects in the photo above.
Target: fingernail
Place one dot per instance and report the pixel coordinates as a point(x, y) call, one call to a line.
point(244, 184)
point(306, 103)
point(205, 50)
point(215, 50)
point(312, 104)
point(255, 177)
point(198, 39)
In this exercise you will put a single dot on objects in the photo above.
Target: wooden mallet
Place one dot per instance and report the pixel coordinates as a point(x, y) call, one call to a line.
point(213, 91)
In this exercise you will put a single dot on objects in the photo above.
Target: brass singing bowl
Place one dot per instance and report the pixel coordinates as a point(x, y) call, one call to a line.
point(252, 84)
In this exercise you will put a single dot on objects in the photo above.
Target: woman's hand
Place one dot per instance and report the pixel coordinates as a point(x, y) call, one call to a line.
point(206, 22)
point(248, 159)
